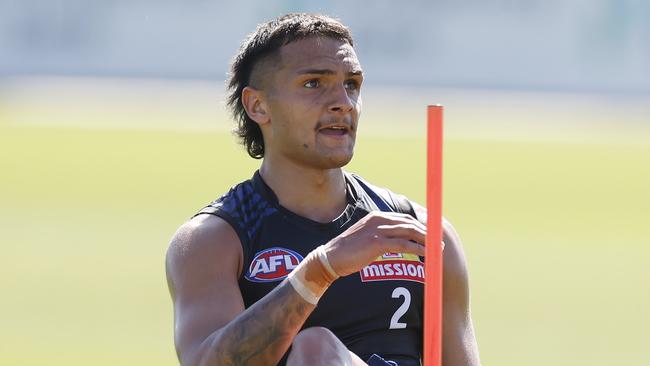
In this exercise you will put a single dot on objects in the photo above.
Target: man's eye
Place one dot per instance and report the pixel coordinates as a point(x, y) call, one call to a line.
point(312, 84)
point(351, 85)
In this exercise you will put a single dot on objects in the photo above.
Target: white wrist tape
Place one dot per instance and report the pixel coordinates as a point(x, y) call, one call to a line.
point(318, 264)
point(302, 290)
point(322, 256)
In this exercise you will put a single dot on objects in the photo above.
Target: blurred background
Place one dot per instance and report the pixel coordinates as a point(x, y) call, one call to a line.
point(113, 132)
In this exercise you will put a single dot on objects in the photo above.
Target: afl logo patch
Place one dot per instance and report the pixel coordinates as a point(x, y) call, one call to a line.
point(272, 264)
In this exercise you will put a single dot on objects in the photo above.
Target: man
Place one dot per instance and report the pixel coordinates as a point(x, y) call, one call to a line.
point(305, 264)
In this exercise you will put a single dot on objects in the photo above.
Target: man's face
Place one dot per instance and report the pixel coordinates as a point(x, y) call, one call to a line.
point(314, 103)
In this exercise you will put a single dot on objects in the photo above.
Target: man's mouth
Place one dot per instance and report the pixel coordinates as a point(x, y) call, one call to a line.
point(334, 130)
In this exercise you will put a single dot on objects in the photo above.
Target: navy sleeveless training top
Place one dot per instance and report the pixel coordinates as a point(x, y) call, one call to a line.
point(377, 310)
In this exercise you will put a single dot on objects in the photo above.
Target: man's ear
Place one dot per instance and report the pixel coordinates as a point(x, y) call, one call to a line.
point(255, 105)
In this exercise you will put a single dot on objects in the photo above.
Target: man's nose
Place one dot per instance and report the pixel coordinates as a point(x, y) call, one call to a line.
point(341, 101)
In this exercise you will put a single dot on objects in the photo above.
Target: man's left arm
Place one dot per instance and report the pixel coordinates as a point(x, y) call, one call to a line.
point(459, 347)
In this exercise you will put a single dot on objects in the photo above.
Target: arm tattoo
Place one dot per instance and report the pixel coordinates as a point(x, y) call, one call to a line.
point(262, 334)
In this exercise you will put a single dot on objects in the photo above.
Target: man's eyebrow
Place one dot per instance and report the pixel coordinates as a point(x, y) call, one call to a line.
point(357, 72)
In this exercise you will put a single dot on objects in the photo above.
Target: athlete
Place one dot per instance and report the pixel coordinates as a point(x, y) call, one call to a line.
point(304, 263)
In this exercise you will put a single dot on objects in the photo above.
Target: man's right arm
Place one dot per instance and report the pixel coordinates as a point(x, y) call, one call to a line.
point(204, 261)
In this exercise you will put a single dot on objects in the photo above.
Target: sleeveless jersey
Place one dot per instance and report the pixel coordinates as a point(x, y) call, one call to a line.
point(376, 310)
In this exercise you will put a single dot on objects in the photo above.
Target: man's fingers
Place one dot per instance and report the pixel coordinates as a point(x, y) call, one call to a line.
point(403, 246)
point(404, 231)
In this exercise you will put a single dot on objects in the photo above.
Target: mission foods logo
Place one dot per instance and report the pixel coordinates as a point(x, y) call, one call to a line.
point(272, 264)
point(394, 266)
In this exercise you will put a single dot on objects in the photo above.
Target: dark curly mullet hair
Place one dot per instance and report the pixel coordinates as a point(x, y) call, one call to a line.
point(266, 41)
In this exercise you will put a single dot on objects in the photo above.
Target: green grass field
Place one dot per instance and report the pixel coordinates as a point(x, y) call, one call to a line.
point(556, 232)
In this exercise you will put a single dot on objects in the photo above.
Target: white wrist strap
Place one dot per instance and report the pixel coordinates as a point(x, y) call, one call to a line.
point(322, 256)
point(302, 290)
point(296, 281)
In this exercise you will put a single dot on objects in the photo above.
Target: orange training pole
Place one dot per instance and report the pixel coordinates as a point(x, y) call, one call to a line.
point(433, 261)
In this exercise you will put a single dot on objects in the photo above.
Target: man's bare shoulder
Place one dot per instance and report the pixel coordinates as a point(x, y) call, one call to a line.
point(201, 244)
point(202, 230)
point(450, 235)
point(454, 255)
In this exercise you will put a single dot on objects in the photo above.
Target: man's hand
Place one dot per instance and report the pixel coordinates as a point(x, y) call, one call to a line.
point(372, 236)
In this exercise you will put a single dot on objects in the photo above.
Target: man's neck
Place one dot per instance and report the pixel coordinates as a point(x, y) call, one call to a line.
point(319, 195)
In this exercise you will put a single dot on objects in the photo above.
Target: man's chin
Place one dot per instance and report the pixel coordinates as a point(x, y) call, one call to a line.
point(334, 162)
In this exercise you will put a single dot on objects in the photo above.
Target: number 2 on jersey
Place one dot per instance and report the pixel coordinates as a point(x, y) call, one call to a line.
point(394, 321)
